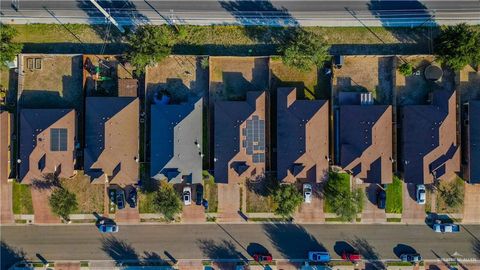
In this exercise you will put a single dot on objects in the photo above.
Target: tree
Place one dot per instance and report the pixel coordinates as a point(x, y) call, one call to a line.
point(406, 69)
point(63, 202)
point(150, 44)
point(286, 198)
point(304, 50)
point(457, 46)
point(166, 201)
point(346, 203)
point(8, 49)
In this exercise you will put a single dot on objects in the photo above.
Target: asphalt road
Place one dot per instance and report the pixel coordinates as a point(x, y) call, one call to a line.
point(378, 242)
point(286, 12)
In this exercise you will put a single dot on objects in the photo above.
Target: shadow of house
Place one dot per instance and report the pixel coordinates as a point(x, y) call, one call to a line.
point(239, 137)
point(365, 138)
point(111, 139)
point(429, 139)
point(395, 15)
point(176, 141)
point(10, 255)
point(252, 14)
point(302, 138)
point(47, 143)
point(283, 235)
point(473, 142)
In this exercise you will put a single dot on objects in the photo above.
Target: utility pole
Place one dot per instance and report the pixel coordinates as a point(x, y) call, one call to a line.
point(107, 15)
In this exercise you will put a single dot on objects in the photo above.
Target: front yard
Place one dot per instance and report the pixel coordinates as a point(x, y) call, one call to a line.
point(343, 185)
point(449, 196)
point(211, 192)
point(22, 199)
point(90, 197)
point(394, 197)
point(259, 196)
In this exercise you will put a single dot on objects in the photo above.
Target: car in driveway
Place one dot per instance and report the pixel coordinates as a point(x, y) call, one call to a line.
point(381, 198)
point(187, 195)
point(262, 257)
point(199, 194)
point(319, 256)
point(307, 193)
point(353, 256)
point(120, 199)
point(421, 194)
point(132, 198)
point(411, 258)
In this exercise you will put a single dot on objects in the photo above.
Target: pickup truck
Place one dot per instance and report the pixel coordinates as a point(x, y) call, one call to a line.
point(446, 228)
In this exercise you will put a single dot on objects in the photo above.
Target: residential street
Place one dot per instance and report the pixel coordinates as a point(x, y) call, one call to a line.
point(84, 242)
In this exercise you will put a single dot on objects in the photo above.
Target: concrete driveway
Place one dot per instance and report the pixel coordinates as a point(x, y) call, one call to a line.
point(229, 203)
point(371, 213)
point(471, 207)
point(311, 212)
point(413, 213)
point(41, 206)
point(127, 214)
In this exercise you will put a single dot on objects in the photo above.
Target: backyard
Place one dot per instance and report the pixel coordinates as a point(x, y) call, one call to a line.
point(22, 199)
point(232, 77)
point(90, 197)
point(394, 196)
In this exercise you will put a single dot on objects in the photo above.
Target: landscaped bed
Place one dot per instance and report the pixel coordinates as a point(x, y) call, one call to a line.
point(90, 197)
point(394, 196)
point(447, 190)
point(22, 199)
point(211, 192)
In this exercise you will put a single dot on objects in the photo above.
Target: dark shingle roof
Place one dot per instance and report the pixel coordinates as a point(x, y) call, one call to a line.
point(474, 141)
point(302, 137)
point(176, 141)
point(429, 139)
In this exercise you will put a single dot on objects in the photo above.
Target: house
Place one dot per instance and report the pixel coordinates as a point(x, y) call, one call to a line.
point(5, 117)
point(239, 138)
point(365, 138)
point(302, 138)
point(429, 139)
point(47, 143)
point(176, 141)
point(112, 139)
point(473, 144)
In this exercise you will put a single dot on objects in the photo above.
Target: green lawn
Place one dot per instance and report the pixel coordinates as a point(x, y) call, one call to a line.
point(210, 192)
point(343, 184)
point(394, 196)
point(22, 199)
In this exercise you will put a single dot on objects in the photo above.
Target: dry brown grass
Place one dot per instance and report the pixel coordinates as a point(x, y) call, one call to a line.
point(90, 197)
point(305, 82)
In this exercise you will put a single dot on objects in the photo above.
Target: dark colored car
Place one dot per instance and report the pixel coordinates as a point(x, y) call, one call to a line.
point(351, 256)
point(132, 198)
point(381, 198)
point(262, 257)
point(120, 199)
point(199, 194)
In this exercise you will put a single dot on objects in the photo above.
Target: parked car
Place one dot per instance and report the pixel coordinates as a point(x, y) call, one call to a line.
point(445, 227)
point(120, 199)
point(262, 257)
point(319, 256)
point(412, 258)
point(187, 195)
point(199, 195)
point(132, 198)
point(110, 227)
point(307, 193)
point(421, 194)
point(351, 256)
point(381, 198)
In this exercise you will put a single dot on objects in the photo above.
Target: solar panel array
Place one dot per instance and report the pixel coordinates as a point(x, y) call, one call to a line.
point(58, 139)
point(254, 133)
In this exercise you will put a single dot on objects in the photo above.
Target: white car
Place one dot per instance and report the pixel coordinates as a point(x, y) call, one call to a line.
point(307, 193)
point(187, 195)
point(421, 194)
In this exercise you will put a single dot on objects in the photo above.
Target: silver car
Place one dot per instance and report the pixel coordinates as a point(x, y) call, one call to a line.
point(421, 194)
point(307, 193)
point(187, 195)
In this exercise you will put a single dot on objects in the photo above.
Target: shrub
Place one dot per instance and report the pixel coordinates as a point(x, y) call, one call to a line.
point(166, 201)
point(406, 69)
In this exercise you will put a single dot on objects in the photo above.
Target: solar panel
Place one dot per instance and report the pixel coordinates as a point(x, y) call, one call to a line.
point(58, 139)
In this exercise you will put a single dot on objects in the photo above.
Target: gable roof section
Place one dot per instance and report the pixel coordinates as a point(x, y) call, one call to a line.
point(302, 137)
point(176, 141)
point(474, 141)
point(429, 142)
point(366, 142)
point(233, 151)
point(36, 153)
point(111, 139)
